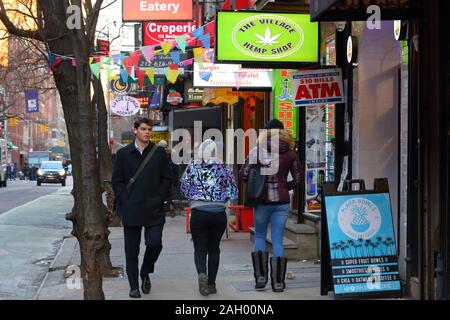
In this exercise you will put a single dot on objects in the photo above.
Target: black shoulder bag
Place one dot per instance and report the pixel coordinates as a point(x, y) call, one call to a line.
point(255, 185)
point(133, 179)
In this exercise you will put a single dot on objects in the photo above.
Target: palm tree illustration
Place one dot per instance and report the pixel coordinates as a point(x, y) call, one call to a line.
point(376, 246)
point(342, 248)
point(351, 245)
point(390, 244)
point(359, 247)
point(367, 246)
point(334, 249)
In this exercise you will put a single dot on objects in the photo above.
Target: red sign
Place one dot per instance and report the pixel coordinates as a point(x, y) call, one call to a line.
point(158, 32)
point(157, 10)
point(317, 87)
point(103, 46)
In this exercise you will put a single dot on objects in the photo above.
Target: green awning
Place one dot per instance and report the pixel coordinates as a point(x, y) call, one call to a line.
point(11, 145)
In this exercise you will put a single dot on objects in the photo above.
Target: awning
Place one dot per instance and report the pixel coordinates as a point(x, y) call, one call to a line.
point(11, 145)
point(351, 10)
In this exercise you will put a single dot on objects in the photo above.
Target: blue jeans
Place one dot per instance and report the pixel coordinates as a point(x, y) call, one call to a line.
point(277, 215)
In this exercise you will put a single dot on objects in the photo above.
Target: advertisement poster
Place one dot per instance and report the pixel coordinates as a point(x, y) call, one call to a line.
point(362, 244)
point(315, 157)
point(316, 87)
point(262, 37)
point(283, 104)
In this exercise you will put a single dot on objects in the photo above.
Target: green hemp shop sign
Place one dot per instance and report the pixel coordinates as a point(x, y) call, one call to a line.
point(266, 37)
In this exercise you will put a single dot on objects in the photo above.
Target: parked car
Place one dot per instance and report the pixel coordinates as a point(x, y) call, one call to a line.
point(51, 172)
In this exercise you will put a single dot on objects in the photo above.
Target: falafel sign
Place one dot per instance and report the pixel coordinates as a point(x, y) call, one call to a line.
point(318, 87)
point(125, 106)
point(266, 37)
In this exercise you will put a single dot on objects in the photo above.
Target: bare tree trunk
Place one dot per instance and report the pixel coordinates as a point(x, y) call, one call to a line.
point(89, 214)
point(105, 170)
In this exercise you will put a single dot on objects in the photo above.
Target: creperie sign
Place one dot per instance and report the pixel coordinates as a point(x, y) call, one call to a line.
point(158, 32)
point(157, 10)
point(317, 87)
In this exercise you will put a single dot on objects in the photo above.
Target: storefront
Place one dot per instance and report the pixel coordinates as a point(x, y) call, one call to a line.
point(395, 124)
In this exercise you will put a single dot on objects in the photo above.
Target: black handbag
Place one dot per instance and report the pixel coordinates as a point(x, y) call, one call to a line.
point(255, 187)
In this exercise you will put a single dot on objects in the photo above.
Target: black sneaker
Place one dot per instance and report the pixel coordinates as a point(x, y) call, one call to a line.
point(134, 293)
point(203, 284)
point(212, 288)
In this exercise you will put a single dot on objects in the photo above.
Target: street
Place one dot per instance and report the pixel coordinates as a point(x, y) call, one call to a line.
point(32, 227)
point(20, 192)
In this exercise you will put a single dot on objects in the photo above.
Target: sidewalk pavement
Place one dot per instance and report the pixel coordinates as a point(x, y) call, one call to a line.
point(175, 277)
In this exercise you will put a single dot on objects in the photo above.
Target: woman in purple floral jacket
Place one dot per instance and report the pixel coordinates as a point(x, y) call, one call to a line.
point(208, 184)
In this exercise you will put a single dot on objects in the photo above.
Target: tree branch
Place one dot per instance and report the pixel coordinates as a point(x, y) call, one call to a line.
point(13, 29)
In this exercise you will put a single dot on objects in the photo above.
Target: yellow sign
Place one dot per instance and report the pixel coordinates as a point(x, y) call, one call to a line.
point(157, 136)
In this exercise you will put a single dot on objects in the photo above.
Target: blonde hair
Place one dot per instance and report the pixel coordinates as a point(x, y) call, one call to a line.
point(284, 136)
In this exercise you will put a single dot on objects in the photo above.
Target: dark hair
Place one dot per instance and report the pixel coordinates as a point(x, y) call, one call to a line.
point(274, 124)
point(140, 121)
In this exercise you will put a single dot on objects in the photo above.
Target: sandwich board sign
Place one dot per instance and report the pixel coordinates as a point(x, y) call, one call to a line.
point(359, 253)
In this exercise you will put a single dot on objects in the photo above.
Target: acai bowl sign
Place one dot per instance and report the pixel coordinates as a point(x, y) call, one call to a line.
point(266, 37)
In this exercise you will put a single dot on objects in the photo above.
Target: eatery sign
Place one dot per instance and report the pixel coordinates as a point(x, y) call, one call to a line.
point(266, 37)
point(157, 10)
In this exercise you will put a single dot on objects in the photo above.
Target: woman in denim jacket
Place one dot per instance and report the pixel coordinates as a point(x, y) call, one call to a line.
point(208, 183)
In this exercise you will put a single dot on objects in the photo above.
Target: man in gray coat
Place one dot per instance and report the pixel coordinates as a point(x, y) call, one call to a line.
point(142, 204)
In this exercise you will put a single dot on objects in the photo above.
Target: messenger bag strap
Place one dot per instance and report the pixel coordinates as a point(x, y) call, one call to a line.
point(141, 167)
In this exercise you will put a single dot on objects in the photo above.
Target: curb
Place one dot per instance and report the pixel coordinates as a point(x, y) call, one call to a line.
point(52, 266)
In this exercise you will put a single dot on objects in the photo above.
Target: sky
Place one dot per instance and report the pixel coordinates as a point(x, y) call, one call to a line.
point(105, 26)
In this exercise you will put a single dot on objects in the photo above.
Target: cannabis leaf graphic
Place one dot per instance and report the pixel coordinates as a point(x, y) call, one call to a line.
point(268, 39)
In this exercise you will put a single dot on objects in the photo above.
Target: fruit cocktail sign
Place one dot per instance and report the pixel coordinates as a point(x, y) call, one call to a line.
point(258, 37)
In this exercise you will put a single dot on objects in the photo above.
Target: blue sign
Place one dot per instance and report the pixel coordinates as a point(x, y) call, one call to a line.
point(362, 244)
point(32, 101)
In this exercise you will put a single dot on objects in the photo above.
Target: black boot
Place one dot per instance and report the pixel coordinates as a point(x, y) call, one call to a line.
point(278, 273)
point(260, 260)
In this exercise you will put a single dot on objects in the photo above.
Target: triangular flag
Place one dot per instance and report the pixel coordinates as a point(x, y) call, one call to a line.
point(141, 77)
point(106, 60)
point(199, 61)
point(205, 75)
point(133, 73)
point(171, 75)
point(198, 32)
point(206, 40)
point(135, 57)
point(91, 59)
point(127, 63)
point(124, 75)
point(95, 68)
point(167, 46)
point(148, 53)
point(175, 56)
point(188, 62)
point(198, 52)
point(173, 66)
point(181, 42)
point(150, 72)
point(74, 63)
